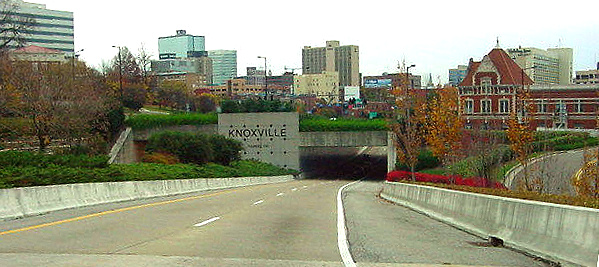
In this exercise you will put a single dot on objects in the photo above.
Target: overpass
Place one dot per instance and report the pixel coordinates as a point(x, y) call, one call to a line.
point(130, 140)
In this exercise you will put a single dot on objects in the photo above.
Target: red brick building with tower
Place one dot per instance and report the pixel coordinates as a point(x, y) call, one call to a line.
point(487, 96)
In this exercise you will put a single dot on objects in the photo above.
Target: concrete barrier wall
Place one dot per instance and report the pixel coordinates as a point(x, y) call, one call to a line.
point(28, 201)
point(343, 139)
point(567, 234)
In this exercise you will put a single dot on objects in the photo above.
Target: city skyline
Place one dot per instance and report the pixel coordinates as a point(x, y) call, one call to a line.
point(433, 35)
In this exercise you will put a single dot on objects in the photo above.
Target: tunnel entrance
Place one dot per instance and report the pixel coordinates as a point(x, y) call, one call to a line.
point(343, 163)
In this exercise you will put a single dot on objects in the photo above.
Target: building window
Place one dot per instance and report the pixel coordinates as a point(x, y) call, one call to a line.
point(485, 105)
point(542, 107)
point(560, 107)
point(504, 106)
point(578, 106)
point(469, 106)
point(485, 81)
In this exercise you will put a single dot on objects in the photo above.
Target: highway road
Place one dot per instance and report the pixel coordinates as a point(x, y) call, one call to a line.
point(555, 170)
point(287, 224)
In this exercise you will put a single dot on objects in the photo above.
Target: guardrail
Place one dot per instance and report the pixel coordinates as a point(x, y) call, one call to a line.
point(566, 234)
point(29, 201)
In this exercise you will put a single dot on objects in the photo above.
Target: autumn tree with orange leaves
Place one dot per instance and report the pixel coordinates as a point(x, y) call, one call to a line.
point(442, 123)
point(406, 129)
point(521, 135)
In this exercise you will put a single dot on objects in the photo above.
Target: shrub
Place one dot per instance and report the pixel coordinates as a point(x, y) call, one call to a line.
point(396, 176)
point(24, 159)
point(188, 147)
point(225, 150)
point(196, 148)
point(426, 160)
point(161, 158)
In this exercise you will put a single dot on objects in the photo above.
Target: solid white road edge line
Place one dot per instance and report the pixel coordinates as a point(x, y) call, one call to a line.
point(342, 242)
point(207, 222)
point(258, 202)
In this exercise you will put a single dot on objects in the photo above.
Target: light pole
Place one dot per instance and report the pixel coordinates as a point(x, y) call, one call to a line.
point(407, 90)
point(120, 72)
point(522, 100)
point(75, 56)
point(265, 79)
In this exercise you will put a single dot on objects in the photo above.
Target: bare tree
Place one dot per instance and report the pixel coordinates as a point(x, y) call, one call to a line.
point(143, 61)
point(60, 103)
point(13, 27)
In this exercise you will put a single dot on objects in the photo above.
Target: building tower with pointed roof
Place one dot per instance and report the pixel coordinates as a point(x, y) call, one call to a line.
point(488, 91)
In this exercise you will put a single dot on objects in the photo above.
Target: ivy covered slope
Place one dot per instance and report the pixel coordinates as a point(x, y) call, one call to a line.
point(20, 169)
point(321, 124)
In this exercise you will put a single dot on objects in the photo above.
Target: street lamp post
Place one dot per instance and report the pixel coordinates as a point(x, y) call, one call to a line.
point(120, 73)
point(75, 56)
point(522, 100)
point(407, 90)
point(265, 79)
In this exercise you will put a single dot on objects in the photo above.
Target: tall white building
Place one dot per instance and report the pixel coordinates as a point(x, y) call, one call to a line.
point(224, 65)
point(182, 45)
point(551, 66)
point(53, 29)
point(333, 58)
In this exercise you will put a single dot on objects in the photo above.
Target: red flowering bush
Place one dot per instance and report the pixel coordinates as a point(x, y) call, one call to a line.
point(396, 176)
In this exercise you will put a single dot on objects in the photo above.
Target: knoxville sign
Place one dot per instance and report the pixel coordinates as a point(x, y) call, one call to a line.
point(247, 133)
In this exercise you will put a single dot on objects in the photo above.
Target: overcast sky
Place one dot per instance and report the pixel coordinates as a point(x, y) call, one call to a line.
point(433, 35)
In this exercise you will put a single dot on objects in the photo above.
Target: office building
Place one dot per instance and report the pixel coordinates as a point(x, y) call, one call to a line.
point(53, 29)
point(224, 65)
point(333, 58)
point(182, 45)
point(457, 75)
point(551, 66)
point(587, 76)
point(324, 85)
point(201, 67)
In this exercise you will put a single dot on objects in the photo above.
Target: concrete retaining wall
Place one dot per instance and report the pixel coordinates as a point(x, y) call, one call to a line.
point(28, 201)
point(123, 151)
point(567, 234)
point(343, 139)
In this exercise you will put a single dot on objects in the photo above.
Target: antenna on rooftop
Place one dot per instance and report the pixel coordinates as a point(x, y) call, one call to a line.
point(497, 46)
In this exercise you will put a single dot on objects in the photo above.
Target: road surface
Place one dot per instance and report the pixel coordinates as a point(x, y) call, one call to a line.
point(286, 224)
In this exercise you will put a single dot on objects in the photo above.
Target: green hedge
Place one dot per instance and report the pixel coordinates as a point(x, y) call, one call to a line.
point(561, 141)
point(32, 159)
point(426, 160)
point(255, 105)
point(51, 175)
point(317, 124)
point(146, 121)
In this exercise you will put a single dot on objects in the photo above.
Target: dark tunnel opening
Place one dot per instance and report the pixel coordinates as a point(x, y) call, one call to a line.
point(344, 163)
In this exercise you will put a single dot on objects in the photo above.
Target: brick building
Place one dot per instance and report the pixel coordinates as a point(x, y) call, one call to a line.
point(487, 96)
